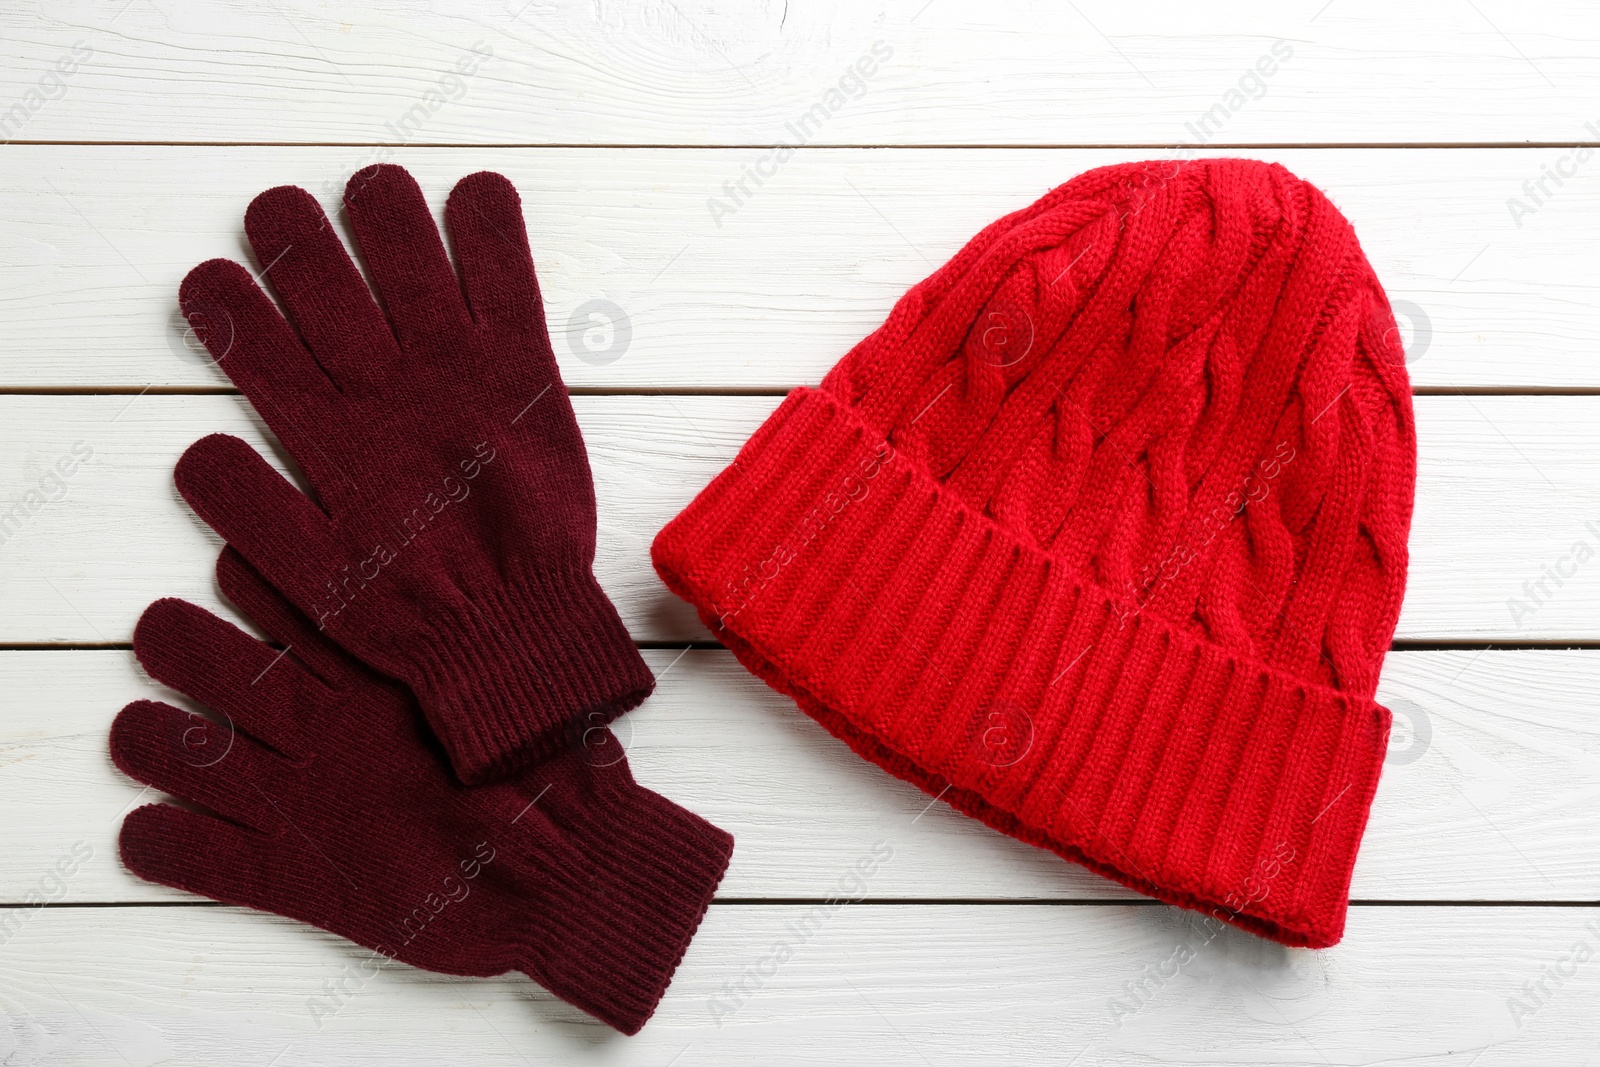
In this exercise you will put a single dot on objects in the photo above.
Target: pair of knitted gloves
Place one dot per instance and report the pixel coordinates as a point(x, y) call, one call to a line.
point(424, 765)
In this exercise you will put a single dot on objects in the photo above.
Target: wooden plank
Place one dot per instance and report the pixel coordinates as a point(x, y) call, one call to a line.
point(697, 72)
point(96, 240)
point(1489, 793)
point(1507, 505)
point(897, 985)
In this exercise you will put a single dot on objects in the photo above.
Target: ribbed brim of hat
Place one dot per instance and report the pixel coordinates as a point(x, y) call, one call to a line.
point(954, 655)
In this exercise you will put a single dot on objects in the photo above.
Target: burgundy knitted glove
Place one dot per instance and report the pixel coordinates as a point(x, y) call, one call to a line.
point(451, 541)
point(336, 810)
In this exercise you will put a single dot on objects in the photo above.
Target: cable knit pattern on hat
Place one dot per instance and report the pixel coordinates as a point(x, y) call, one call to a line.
point(1101, 537)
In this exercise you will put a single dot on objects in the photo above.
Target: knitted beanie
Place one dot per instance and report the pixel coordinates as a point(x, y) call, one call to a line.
point(1101, 538)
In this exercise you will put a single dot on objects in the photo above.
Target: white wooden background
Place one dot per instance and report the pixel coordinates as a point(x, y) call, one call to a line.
point(1475, 934)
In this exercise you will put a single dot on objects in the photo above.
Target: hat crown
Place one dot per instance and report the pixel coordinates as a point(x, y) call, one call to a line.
point(1184, 380)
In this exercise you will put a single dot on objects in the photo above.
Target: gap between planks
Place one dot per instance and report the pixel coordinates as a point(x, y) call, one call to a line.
point(709, 390)
point(884, 902)
point(1239, 146)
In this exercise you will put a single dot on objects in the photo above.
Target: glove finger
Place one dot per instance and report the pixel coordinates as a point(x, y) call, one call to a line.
point(273, 525)
point(408, 262)
point(292, 875)
point(484, 214)
point(324, 293)
point(215, 765)
point(186, 850)
point(263, 605)
point(259, 351)
point(264, 691)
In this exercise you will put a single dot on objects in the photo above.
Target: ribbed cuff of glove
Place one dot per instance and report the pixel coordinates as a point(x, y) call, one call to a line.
point(614, 946)
point(525, 670)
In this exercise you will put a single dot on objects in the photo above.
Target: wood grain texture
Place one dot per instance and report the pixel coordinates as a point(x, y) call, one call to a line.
point(1507, 514)
point(1490, 793)
point(661, 274)
point(893, 985)
point(769, 296)
point(702, 72)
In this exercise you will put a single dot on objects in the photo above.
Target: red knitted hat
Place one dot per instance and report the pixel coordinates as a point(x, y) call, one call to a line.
point(1101, 538)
